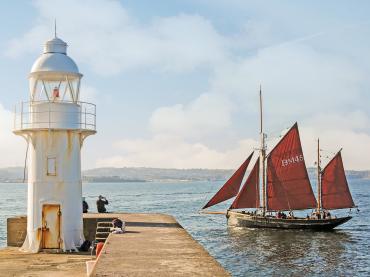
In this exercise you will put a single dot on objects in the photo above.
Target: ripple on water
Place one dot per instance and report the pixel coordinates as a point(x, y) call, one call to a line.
point(243, 252)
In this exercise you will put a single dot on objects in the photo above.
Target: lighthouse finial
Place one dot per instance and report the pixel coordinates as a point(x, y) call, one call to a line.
point(55, 27)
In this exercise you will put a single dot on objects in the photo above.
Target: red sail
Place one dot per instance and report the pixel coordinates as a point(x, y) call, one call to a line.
point(231, 187)
point(334, 187)
point(288, 185)
point(248, 196)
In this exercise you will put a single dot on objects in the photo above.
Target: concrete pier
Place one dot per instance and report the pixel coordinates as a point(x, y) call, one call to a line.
point(16, 263)
point(153, 245)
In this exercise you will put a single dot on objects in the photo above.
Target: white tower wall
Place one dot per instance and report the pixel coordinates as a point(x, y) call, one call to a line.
point(64, 188)
point(55, 115)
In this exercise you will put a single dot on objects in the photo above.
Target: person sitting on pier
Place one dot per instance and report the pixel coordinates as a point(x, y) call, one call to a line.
point(85, 206)
point(118, 226)
point(100, 204)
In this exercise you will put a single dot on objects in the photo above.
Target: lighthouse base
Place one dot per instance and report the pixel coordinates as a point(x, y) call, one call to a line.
point(35, 242)
point(17, 229)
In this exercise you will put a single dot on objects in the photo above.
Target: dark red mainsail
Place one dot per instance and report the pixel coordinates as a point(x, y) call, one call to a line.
point(231, 187)
point(288, 185)
point(248, 196)
point(334, 187)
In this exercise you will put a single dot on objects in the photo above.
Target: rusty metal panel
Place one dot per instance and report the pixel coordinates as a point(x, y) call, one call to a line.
point(51, 217)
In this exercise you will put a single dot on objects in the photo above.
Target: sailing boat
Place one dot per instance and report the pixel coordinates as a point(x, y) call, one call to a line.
point(286, 188)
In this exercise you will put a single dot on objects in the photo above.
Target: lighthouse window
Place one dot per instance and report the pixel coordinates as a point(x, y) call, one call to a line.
point(51, 166)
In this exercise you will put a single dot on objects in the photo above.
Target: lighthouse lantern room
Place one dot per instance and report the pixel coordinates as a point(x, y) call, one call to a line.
point(54, 123)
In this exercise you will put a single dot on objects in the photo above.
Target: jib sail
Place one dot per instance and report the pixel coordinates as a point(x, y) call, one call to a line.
point(231, 187)
point(248, 196)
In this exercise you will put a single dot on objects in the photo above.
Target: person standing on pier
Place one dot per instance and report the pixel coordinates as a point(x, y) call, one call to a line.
point(100, 204)
point(85, 206)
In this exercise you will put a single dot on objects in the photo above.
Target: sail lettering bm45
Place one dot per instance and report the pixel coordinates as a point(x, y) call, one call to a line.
point(288, 185)
point(292, 160)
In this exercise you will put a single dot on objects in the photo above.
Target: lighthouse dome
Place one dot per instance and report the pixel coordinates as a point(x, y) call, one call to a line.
point(54, 59)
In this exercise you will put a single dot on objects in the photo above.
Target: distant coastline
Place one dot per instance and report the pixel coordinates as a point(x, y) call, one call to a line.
point(147, 174)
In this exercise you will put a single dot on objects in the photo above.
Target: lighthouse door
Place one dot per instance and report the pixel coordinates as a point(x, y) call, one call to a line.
point(51, 215)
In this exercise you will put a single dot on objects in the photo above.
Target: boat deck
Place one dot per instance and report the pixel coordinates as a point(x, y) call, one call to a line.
point(241, 219)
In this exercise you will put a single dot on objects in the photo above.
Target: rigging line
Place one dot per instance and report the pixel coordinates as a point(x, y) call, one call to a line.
point(276, 135)
point(207, 196)
point(277, 140)
point(273, 138)
point(25, 161)
point(281, 131)
point(328, 151)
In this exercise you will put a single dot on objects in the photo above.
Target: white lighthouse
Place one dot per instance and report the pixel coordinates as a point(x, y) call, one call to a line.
point(55, 123)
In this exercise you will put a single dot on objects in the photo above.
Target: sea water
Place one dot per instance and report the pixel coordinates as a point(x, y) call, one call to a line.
point(243, 252)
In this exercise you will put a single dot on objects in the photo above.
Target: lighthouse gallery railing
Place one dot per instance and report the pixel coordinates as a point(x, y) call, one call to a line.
point(55, 115)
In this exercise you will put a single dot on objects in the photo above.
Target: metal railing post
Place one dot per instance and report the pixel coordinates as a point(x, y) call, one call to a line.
point(49, 115)
point(22, 115)
point(15, 117)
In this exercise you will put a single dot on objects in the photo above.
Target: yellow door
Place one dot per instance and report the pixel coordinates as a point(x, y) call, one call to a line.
point(51, 215)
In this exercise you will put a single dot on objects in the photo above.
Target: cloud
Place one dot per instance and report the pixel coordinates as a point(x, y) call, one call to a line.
point(307, 74)
point(207, 115)
point(296, 79)
point(174, 152)
point(107, 38)
point(88, 94)
point(320, 93)
point(12, 147)
point(347, 130)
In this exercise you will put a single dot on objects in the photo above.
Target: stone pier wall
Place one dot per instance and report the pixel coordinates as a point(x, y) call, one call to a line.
point(17, 228)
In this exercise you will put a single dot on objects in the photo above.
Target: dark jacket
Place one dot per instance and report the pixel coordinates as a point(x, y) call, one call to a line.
point(85, 206)
point(100, 204)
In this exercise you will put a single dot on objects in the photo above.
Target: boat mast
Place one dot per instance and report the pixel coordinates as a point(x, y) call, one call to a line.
point(262, 156)
point(318, 177)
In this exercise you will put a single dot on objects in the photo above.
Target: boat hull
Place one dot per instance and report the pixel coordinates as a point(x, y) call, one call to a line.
point(239, 219)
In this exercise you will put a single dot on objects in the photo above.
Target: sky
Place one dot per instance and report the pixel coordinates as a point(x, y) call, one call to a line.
point(176, 82)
